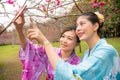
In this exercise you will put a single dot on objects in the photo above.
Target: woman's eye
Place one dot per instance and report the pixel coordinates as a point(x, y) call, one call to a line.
point(70, 38)
point(62, 36)
point(82, 23)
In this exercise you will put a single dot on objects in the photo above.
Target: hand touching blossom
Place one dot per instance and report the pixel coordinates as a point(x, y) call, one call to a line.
point(36, 34)
point(19, 22)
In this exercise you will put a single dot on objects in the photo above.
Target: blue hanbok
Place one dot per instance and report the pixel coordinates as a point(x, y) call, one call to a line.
point(101, 64)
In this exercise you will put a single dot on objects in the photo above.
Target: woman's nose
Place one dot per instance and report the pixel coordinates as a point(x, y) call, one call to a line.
point(64, 39)
point(78, 29)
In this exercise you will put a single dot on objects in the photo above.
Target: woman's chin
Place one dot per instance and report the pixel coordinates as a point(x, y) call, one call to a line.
point(81, 38)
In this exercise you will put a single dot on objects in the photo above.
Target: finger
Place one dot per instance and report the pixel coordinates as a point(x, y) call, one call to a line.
point(21, 13)
point(22, 17)
point(31, 36)
point(18, 18)
point(32, 24)
point(30, 31)
point(14, 22)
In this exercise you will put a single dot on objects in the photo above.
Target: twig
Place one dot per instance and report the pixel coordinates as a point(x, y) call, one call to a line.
point(77, 6)
point(19, 13)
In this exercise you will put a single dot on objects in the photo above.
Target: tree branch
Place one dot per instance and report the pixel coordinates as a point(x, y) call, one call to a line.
point(77, 6)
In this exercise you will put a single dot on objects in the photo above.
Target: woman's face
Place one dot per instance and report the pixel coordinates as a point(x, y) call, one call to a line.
point(68, 40)
point(85, 29)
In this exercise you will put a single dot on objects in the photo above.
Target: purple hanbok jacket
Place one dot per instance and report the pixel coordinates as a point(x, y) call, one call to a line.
point(35, 61)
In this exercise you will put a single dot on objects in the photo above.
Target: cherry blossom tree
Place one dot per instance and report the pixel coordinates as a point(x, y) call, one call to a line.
point(40, 10)
point(54, 11)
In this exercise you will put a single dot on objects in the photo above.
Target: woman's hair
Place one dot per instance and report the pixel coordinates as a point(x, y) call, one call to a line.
point(70, 28)
point(94, 18)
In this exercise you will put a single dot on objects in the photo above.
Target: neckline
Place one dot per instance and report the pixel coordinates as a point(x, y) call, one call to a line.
point(69, 59)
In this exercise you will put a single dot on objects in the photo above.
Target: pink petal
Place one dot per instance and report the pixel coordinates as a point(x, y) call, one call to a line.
point(10, 1)
point(58, 2)
point(44, 8)
point(51, 11)
point(45, 16)
point(101, 3)
point(47, 0)
point(95, 1)
point(94, 5)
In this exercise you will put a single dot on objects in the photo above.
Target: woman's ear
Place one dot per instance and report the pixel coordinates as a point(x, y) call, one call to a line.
point(96, 26)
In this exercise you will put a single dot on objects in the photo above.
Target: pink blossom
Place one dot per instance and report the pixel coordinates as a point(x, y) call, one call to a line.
point(13, 5)
point(97, 4)
point(58, 2)
point(101, 3)
point(47, 0)
point(94, 5)
point(95, 1)
point(38, 6)
point(44, 8)
point(60, 5)
point(51, 11)
point(45, 16)
point(66, 13)
point(10, 1)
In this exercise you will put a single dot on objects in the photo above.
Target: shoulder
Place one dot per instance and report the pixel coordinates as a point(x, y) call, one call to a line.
point(107, 48)
point(104, 51)
point(75, 60)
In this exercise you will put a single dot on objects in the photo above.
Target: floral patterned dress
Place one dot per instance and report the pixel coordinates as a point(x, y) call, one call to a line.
point(101, 64)
point(35, 61)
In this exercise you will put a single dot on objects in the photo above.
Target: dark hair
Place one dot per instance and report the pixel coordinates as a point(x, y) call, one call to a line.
point(70, 28)
point(93, 18)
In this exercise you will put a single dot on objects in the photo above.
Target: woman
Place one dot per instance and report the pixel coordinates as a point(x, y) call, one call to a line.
point(100, 60)
point(34, 58)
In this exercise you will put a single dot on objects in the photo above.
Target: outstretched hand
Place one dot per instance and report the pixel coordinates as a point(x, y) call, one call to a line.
point(35, 33)
point(20, 21)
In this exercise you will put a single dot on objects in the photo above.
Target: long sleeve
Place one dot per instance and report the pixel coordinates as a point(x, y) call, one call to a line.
point(33, 60)
point(73, 59)
point(100, 65)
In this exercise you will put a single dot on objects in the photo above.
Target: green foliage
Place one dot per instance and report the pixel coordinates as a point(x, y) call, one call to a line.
point(118, 3)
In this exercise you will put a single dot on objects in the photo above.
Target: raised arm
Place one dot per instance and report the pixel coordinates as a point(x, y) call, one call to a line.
point(19, 23)
point(36, 34)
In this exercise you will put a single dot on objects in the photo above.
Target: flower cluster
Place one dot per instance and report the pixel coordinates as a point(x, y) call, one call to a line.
point(97, 4)
point(100, 16)
point(10, 1)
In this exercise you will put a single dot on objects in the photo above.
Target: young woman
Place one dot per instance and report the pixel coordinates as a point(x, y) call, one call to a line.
point(34, 58)
point(100, 60)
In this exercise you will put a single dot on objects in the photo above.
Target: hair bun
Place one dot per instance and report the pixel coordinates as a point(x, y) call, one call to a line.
point(100, 16)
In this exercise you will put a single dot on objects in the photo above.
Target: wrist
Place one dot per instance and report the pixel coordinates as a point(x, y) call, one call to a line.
point(19, 29)
point(46, 42)
point(43, 41)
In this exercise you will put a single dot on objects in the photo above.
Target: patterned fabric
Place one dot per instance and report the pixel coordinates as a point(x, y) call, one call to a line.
point(35, 61)
point(101, 64)
point(118, 74)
